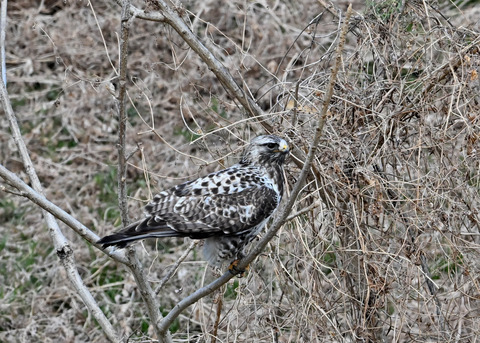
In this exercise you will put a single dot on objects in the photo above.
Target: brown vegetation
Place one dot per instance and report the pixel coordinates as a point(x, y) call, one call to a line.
point(383, 242)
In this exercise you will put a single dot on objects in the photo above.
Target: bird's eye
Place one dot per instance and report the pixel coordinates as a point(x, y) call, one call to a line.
point(271, 145)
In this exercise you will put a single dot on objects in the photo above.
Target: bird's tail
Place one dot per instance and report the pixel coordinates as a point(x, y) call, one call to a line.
point(137, 231)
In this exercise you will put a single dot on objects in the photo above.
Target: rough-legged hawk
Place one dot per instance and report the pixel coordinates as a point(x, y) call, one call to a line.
point(227, 208)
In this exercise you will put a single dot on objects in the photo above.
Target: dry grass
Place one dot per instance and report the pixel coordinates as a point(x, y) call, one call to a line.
point(389, 250)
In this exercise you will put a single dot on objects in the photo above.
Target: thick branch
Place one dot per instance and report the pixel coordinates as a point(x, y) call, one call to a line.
point(148, 296)
point(40, 200)
point(223, 75)
point(141, 14)
point(61, 244)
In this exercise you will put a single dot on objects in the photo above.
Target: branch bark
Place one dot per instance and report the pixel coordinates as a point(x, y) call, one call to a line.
point(3, 26)
point(39, 199)
point(64, 251)
point(148, 295)
point(122, 116)
point(146, 291)
point(172, 18)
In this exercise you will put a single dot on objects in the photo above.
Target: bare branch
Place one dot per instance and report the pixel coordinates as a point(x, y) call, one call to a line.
point(141, 14)
point(130, 260)
point(64, 251)
point(3, 26)
point(148, 296)
point(40, 200)
point(223, 75)
point(122, 116)
point(134, 264)
point(175, 266)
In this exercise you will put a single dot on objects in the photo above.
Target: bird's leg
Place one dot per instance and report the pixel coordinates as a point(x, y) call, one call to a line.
point(235, 271)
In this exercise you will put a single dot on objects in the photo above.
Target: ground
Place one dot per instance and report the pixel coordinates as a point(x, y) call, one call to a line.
point(391, 199)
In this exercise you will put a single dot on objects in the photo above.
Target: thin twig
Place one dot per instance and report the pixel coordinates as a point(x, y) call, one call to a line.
point(9, 191)
point(122, 115)
point(303, 211)
point(3, 26)
point(416, 251)
point(219, 301)
point(442, 73)
point(173, 269)
point(141, 14)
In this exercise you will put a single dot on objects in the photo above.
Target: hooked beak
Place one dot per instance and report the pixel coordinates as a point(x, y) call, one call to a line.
point(283, 148)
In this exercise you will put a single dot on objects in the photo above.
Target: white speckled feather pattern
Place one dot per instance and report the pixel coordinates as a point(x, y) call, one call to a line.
point(227, 208)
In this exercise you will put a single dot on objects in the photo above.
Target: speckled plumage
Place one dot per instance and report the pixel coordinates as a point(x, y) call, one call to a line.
point(227, 208)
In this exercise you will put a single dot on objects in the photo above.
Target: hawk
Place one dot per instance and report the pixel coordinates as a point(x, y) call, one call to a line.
point(227, 208)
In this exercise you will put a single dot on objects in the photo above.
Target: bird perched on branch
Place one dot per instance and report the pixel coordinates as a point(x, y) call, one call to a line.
point(227, 208)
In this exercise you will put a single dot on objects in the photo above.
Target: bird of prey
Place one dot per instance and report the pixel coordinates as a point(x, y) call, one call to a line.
point(227, 208)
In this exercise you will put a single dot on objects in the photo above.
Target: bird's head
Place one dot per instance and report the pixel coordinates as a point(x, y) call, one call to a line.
point(265, 150)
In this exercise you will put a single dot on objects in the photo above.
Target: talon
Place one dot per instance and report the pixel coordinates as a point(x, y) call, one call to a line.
point(235, 271)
